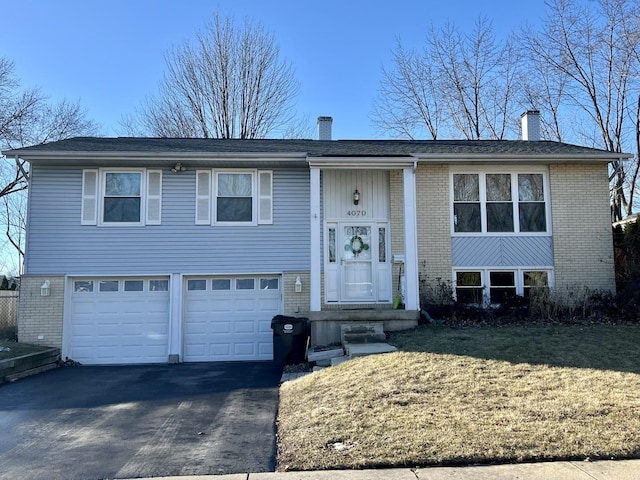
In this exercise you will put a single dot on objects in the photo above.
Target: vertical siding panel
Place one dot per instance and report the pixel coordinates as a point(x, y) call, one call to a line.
point(373, 186)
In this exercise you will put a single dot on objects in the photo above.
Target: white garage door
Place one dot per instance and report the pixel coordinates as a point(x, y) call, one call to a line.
point(228, 319)
point(119, 321)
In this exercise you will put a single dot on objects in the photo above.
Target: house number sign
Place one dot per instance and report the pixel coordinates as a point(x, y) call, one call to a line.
point(356, 213)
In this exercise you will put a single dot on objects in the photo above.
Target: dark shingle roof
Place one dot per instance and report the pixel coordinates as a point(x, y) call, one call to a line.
point(312, 148)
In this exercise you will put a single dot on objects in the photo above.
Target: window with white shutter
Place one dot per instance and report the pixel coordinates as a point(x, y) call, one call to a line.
point(121, 197)
point(234, 197)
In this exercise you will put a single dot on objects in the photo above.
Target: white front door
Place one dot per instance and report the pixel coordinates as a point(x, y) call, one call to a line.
point(357, 269)
point(356, 264)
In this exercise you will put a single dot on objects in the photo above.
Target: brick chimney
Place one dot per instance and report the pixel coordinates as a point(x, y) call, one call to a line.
point(324, 128)
point(531, 125)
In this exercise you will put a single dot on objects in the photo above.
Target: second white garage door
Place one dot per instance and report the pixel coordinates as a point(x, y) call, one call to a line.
point(229, 318)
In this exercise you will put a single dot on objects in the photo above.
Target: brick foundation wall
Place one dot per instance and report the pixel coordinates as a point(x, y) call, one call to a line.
point(582, 239)
point(38, 315)
point(296, 301)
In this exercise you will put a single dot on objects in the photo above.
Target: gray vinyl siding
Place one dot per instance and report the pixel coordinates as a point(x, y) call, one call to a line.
point(508, 251)
point(57, 243)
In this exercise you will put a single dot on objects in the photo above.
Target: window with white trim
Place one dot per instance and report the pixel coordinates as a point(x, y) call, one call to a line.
point(498, 203)
point(121, 197)
point(495, 286)
point(234, 197)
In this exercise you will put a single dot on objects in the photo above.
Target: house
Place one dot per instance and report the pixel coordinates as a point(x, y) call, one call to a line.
point(144, 250)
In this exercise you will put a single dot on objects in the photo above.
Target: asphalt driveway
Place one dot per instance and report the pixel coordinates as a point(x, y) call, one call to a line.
point(134, 421)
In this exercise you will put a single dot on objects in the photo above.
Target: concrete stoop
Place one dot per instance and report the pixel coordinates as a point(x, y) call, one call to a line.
point(358, 340)
point(354, 350)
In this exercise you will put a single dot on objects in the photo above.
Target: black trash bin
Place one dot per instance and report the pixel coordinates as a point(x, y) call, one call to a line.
point(290, 335)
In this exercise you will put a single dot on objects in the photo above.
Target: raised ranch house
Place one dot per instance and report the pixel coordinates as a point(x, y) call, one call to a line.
point(145, 250)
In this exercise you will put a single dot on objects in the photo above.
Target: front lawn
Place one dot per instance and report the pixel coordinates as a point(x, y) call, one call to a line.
point(476, 395)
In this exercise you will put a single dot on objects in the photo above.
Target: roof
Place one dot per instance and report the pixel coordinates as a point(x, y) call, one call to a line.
point(117, 147)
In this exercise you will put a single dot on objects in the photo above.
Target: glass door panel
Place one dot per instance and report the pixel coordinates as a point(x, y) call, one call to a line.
point(357, 269)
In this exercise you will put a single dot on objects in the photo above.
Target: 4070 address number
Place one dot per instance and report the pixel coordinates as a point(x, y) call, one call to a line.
point(356, 213)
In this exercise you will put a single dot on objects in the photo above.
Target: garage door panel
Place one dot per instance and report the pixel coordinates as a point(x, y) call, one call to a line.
point(265, 327)
point(80, 308)
point(220, 350)
point(245, 305)
point(219, 327)
point(265, 349)
point(244, 349)
point(196, 350)
point(268, 304)
point(245, 326)
point(239, 322)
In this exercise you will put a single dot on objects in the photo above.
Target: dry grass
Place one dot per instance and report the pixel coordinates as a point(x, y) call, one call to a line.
point(469, 396)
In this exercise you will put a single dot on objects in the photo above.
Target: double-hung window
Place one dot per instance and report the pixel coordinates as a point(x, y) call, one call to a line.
point(234, 197)
point(126, 197)
point(122, 200)
point(497, 203)
point(531, 203)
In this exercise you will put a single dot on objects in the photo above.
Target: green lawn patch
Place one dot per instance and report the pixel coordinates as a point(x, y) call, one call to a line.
point(459, 396)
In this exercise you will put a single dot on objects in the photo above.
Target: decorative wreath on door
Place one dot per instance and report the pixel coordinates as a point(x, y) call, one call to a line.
point(356, 245)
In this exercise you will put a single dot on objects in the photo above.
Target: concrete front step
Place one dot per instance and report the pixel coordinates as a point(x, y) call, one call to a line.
point(326, 324)
point(364, 332)
point(317, 354)
point(363, 349)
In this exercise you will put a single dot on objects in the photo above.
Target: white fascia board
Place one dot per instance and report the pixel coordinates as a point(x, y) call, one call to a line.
point(361, 162)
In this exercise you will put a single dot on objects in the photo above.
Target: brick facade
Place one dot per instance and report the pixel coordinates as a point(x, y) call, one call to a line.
point(396, 193)
point(582, 239)
point(40, 316)
point(434, 233)
point(296, 304)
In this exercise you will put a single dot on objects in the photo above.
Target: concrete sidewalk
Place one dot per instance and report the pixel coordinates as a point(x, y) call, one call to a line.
point(600, 470)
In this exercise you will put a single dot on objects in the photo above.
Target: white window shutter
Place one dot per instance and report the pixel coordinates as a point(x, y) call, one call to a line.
point(154, 197)
point(265, 197)
point(203, 197)
point(89, 214)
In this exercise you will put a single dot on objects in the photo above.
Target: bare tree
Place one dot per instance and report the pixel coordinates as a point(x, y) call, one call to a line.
point(591, 52)
point(460, 85)
point(408, 104)
point(28, 118)
point(229, 83)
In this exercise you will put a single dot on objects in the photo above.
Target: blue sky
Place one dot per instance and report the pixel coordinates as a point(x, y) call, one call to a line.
point(109, 53)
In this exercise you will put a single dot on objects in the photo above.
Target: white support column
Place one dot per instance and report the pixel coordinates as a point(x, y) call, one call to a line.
point(412, 300)
point(175, 318)
point(316, 230)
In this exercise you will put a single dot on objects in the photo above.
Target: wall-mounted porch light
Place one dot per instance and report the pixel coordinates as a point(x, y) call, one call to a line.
point(298, 285)
point(179, 168)
point(45, 289)
point(356, 197)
